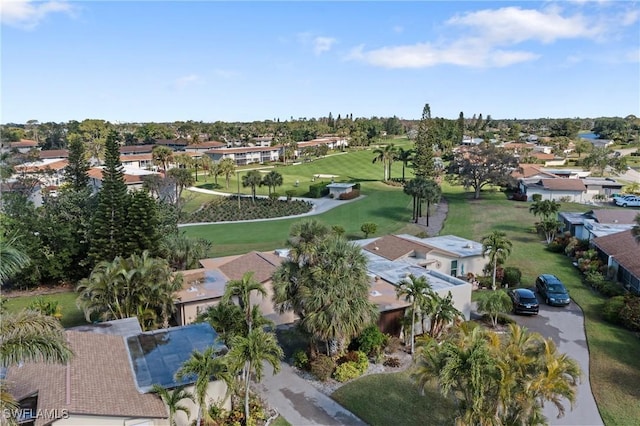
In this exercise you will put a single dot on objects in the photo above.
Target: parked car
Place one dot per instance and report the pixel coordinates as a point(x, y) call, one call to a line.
point(632, 201)
point(552, 291)
point(524, 301)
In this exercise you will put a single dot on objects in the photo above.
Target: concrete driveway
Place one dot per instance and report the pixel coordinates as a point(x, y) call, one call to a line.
point(565, 325)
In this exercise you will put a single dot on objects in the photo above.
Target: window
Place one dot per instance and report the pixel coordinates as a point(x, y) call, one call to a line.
point(454, 268)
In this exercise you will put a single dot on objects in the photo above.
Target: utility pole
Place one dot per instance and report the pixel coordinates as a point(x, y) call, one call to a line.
point(238, 176)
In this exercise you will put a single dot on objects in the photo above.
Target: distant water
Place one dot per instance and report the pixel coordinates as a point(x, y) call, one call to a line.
point(589, 135)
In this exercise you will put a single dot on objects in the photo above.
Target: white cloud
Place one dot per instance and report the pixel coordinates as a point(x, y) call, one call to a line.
point(511, 25)
point(186, 80)
point(27, 14)
point(322, 44)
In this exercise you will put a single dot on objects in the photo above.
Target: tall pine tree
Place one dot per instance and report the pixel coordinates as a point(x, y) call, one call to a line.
point(108, 237)
point(76, 172)
point(423, 162)
point(143, 224)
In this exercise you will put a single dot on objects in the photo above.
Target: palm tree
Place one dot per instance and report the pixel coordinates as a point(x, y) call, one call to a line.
point(385, 154)
point(544, 208)
point(405, 156)
point(415, 290)
point(204, 367)
point(271, 180)
point(172, 400)
point(252, 179)
point(207, 165)
point(242, 289)
point(442, 313)
point(250, 352)
point(227, 319)
point(494, 303)
point(183, 252)
point(226, 167)
point(429, 191)
point(30, 336)
point(12, 259)
point(162, 156)
point(498, 248)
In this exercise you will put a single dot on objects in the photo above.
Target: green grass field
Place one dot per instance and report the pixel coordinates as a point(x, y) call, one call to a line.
point(71, 315)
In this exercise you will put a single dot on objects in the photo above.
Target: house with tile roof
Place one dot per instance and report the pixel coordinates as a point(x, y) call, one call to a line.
point(621, 253)
point(133, 177)
point(573, 190)
point(23, 145)
point(596, 223)
point(108, 380)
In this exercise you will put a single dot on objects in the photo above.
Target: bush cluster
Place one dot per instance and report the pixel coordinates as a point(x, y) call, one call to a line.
point(623, 310)
point(322, 367)
point(512, 276)
point(371, 341)
point(318, 190)
point(601, 284)
point(353, 364)
point(300, 359)
point(226, 209)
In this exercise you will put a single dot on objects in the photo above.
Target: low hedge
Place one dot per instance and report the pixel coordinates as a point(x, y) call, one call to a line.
point(318, 190)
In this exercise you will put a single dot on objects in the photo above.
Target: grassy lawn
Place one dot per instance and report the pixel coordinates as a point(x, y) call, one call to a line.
point(71, 315)
point(388, 399)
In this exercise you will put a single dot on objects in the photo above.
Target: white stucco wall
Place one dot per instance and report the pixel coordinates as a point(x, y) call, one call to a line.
point(82, 420)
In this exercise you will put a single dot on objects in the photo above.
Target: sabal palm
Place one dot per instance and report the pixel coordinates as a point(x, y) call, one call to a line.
point(415, 290)
point(226, 167)
point(172, 400)
point(162, 156)
point(385, 155)
point(251, 352)
point(498, 248)
point(30, 336)
point(404, 156)
point(205, 367)
point(183, 252)
point(545, 208)
point(272, 179)
point(304, 239)
point(242, 289)
point(494, 303)
point(252, 179)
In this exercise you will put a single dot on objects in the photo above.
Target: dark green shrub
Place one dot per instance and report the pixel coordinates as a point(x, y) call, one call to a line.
point(318, 190)
point(357, 186)
point(630, 312)
point(512, 276)
point(289, 193)
point(300, 359)
point(594, 279)
point(555, 247)
point(338, 230)
point(346, 371)
point(322, 367)
point(611, 309)
point(536, 197)
point(371, 340)
point(611, 289)
point(274, 196)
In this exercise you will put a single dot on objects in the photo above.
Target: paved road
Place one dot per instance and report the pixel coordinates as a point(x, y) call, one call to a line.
point(566, 327)
point(300, 403)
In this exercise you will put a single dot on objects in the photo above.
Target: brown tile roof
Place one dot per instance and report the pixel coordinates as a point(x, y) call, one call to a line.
point(392, 247)
point(136, 149)
point(614, 216)
point(624, 248)
point(541, 155)
point(96, 173)
point(262, 264)
point(32, 167)
point(54, 153)
point(560, 184)
point(180, 142)
point(136, 157)
point(529, 170)
point(98, 381)
point(206, 145)
point(24, 143)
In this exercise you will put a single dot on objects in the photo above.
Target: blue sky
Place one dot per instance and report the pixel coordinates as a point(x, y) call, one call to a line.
point(243, 61)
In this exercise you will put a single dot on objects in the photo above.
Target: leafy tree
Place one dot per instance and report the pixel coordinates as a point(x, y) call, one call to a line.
point(368, 228)
point(76, 172)
point(172, 400)
point(385, 155)
point(498, 248)
point(271, 180)
point(482, 165)
point(549, 227)
point(205, 366)
point(182, 178)
point(162, 156)
point(423, 160)
point(106, 236)
point(545, 208)
point(601, 158)
point(414, 290)
point(251, 352)
point(404, 156)
point(12, 259)
point(581, 146)
point(252, 179)
point(494, 303)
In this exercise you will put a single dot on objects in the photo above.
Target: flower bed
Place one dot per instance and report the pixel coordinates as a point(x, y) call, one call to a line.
point(226, 209)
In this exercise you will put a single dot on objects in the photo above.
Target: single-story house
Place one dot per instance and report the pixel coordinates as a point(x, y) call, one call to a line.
point(337, 189)
point(136, 149)
point(24, 145)
point(108, 380)
point(133, 177)
point(601, 186)
point(596, 223)
point(54, 154)
point(554, 189)
point(531, 171)
point(621, 252)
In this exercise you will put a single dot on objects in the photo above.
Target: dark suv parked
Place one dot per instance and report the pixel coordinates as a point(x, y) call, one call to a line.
point(524, 301)
point(552, 291)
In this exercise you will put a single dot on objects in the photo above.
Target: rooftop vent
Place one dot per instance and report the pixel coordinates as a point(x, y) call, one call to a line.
point(375, 293)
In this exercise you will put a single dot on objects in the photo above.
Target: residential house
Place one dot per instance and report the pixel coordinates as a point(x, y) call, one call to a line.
point(138, 161)
point(23, 146)
point(204, 146)
point(621, 253)
point(596, 223)
point(51, 154)
point(108, 380)
point(136, 149)
point(603, 188)
point(133, 178)
point(332, 142)
point(32, 189)
point(174, 144)
point(573, 190)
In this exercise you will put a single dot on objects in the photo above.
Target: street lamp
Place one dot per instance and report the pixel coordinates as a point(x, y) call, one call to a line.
point(238, 176)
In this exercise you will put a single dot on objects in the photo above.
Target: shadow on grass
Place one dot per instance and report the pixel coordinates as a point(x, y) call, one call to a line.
point(357, 179)
point(210, 186)
point(398, 214)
